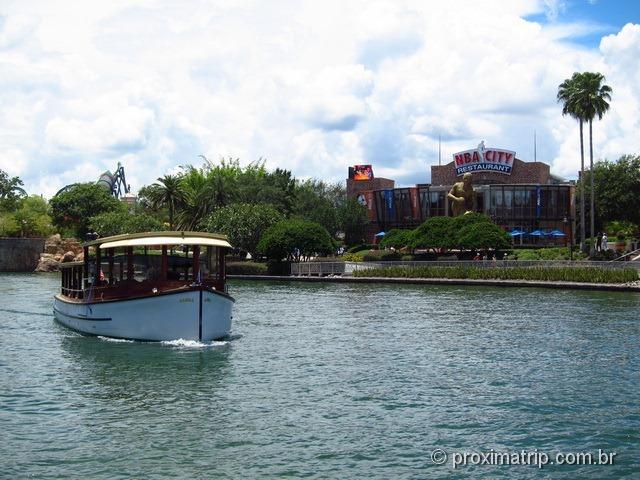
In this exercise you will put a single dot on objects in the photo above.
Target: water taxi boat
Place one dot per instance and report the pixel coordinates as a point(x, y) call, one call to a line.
point(148, 286)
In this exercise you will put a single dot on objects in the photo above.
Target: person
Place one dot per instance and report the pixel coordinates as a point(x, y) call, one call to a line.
point(599, 242)
point(461, 194)
point(605, 241)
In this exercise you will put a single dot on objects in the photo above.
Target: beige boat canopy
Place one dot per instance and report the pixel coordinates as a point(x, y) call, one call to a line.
point(161, 238)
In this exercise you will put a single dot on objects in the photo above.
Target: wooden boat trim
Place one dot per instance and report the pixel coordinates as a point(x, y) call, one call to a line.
point(80, 317)
point(126, 298)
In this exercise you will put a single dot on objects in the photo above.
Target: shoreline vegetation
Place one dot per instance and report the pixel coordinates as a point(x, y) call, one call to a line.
point(547, 274)
point(541, 273)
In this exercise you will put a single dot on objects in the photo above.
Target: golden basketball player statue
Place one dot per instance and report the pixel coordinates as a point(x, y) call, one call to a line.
point(462, 196)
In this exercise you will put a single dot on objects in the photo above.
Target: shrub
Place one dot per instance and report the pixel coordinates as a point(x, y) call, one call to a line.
point(604, 256)
point(483, 235)
point(381, 256)
point(278, 267)
point(436, 233)
point(246, 268)
point(470, 231)
point(361, 247)
point(566, 274)
point(397, 238)
point(627, 229)
point(353, 257)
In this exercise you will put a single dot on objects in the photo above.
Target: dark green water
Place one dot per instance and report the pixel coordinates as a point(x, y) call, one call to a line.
point(327, 381)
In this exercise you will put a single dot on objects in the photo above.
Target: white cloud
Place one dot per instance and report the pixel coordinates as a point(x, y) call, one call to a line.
point(311, 86)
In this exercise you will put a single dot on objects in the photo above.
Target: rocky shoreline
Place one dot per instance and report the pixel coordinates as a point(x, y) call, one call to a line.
point(58, 250)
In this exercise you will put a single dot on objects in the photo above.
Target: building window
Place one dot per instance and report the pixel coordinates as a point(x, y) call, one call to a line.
point(437, 207)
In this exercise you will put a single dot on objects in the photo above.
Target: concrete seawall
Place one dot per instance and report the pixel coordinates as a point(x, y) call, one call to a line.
point(20, 254)
point(612, 287)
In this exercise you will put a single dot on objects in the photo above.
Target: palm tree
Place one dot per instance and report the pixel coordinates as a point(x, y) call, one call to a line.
point(168, 191)
point(568, 95)
point(592, 96)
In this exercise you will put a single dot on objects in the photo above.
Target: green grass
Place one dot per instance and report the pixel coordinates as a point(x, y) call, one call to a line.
point(553, 274)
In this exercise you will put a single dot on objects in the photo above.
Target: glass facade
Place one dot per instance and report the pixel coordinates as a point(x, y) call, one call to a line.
point(528, 202)
point(526, 207)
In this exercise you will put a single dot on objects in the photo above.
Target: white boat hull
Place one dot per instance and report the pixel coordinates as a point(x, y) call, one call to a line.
point(198, 314)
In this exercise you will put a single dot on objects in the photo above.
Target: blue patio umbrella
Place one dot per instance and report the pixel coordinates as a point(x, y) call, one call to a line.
point(536, 233)
point(556, 233)
point(380, 234)
point(516, 233)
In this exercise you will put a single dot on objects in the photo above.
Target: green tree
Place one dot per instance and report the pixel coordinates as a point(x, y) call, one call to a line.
point(243, 223)
point(352, 218)
point(71, 209)
point(115, 223)
point(33, 217)
point(593, 98)
point(397, 238)
point(436, 233)
point(30, 219)
point(199, 199)
point(9, 226)
point(568, 96)
point(278, 189)
point(585, 97)
point(295, 240)
point(11, 191)
point(167, 192)
point(482, 235)
point(319, 202)
point(616, 186)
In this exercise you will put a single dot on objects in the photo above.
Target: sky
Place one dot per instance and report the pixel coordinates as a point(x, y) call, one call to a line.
point(309, 86)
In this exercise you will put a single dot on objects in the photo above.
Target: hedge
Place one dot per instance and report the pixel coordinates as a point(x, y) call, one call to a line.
point(553, 274)
point(246, 268)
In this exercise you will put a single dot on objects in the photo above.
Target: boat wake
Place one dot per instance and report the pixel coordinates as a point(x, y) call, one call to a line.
point(182, 343)
point(179, 343)
point(115, 340)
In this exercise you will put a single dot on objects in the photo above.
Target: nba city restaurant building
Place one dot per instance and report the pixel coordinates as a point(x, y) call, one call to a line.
point(515, 194)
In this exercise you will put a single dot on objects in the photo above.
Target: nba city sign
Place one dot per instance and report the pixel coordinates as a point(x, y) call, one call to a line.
point(484, 159)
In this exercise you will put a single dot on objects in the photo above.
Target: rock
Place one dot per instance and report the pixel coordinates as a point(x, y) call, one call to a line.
point(47, 263)
point(56, 239)
point(52, 244)
point(68, 257)
point(50, 248)
point(80, 257)
point(71, 244)
point(57, 257)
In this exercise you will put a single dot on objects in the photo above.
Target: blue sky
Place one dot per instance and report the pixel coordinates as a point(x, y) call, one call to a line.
point(600, 17)
point(313, 87)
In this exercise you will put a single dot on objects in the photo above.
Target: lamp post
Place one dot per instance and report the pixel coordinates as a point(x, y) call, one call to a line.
point(567, 221)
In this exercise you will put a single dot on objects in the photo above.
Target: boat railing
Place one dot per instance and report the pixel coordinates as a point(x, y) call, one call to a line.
point(72, 292)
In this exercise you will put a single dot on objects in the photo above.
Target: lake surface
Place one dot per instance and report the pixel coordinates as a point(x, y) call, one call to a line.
point(327, 381)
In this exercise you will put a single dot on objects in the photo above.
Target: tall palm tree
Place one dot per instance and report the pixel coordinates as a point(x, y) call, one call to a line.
point(568, 96)
point(168, 191)
point(592, 96)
